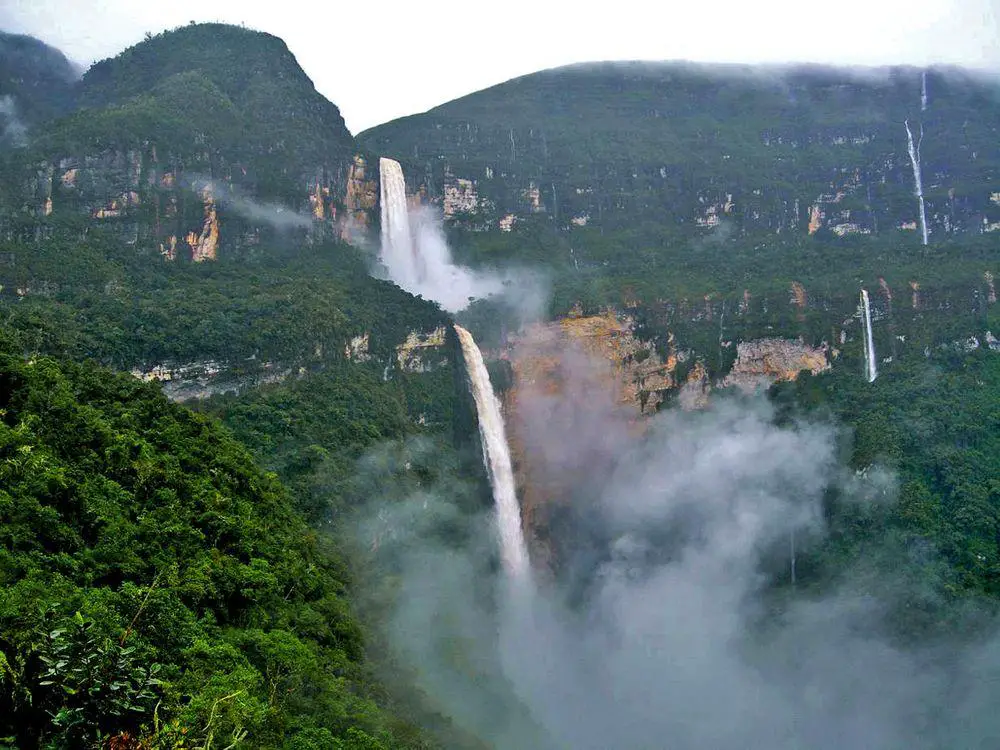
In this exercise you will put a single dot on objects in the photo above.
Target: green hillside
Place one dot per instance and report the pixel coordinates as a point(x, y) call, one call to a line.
point(235, 92)
point(156, 585)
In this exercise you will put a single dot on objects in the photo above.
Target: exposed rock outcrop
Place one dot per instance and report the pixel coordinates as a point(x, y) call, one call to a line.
point(194, 381)
point(460, 196)
point(422, 352)
point(205, 245)
point(763, 362)
point(633, 369)
point(356, 350)
point(360, 197)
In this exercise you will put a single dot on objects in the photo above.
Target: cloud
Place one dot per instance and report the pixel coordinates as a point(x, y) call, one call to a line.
point(662, 623)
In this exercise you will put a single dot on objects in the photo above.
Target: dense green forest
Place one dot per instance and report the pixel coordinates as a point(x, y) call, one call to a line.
point(934, 425)
point(158, 589)
point(86, 294)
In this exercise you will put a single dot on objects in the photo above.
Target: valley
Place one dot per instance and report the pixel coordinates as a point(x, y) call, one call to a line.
point(604, 392)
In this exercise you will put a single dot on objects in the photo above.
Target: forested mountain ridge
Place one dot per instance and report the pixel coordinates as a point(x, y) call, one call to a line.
point(767, 149)
point(198, 139)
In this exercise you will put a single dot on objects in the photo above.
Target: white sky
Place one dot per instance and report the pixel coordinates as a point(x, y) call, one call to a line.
point(381, 60)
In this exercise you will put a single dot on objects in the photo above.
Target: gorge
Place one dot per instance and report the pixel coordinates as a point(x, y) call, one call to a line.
point(493, 426)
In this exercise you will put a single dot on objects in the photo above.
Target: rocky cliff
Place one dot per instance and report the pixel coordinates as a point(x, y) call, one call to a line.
point(601, 361)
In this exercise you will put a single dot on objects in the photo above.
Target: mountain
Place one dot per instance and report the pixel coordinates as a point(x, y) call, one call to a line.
point(797, 149)
point(714, 207)
point(207, 143)
point(36, 83)
point(195, 140)
point(182, 225)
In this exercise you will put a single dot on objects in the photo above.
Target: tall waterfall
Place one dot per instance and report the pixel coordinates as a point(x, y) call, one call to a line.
point(399, 253)
point(871, 367)
point(496, 456)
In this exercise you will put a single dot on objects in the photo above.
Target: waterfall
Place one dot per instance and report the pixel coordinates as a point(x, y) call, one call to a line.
point(914, 152)
point(496, 456)
point(871, 367)
point(399, 253)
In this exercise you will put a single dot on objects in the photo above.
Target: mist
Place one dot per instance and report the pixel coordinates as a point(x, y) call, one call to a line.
point(435, 276)
point(13, 132)
point(273, 214)
point(666, 618)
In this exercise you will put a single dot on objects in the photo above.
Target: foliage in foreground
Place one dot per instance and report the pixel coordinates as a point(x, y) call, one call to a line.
point(156, 588)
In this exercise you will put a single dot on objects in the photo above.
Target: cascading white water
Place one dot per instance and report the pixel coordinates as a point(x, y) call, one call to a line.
point(496, 456)
point(399, 253)
point(871, 366)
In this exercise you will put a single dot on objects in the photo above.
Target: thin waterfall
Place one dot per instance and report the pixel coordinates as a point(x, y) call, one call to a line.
point(871, 366)
point(496, 456)
point(399, 252)
point(913, 149)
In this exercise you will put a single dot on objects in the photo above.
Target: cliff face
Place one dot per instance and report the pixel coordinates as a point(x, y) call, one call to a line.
point(422, 351)
point(360, 198)
point(629, 367)
point(802, 150)
point(633, 371)
point(625, 370)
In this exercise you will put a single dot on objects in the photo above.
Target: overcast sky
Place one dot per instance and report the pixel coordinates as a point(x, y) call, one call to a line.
point(381, 60)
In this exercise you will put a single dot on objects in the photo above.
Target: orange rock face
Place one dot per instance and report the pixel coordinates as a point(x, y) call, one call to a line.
point(589, 380)
point(359, 199)
point(815, 219)
point(632, 368)
point(205, 245)
point(765, 361)
point(594, 360)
